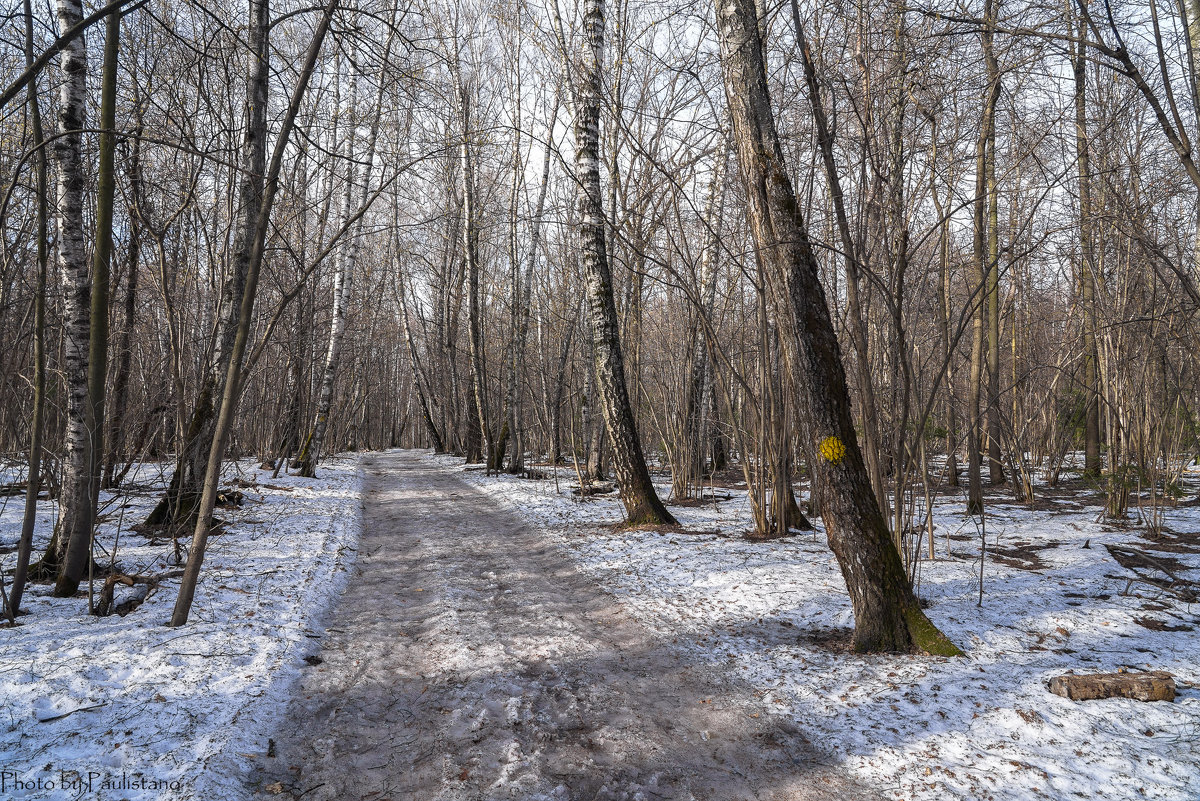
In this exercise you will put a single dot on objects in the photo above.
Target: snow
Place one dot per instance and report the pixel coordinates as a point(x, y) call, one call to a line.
point(979, 727)
point(178, 713)
point(133, 709)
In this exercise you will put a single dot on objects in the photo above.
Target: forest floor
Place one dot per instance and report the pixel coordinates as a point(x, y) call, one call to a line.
point(470, 659)
point(502, 638)
point(123, 707)
point(777, 616)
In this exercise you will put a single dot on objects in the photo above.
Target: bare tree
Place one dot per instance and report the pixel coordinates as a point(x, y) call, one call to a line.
point(258, 235)
point(75, 519)
point(886, 613)
point(642, 504)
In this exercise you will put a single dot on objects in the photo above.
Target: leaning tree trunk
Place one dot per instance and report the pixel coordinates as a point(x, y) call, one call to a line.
point(180, 501)
point(887, 616)
point(642, 504)
point(258, 238)
point(868, 408)
point(75, 514)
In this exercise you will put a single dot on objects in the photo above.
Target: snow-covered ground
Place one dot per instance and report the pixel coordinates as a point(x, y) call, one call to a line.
point(138, 710)
point(979, 727)
point(164, 713)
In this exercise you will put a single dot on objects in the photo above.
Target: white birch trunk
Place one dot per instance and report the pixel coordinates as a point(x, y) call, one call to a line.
point(344, 277)
point(75, 515)
point(642, 504)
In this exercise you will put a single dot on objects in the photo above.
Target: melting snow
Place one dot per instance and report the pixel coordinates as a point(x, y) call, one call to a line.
point(136, 710)
point(917, 728)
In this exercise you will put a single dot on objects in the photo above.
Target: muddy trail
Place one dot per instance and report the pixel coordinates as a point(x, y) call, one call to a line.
point(469, 659)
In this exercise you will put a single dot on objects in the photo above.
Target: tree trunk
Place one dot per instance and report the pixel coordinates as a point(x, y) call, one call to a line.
point(995, 466)
point(867, 407)
point(642, 504)
point(344, 274)
point(693, 439)
point(120, 393)
point(560, 382)
point(1087, 301)
point(887, 616)
point(472, 438)
point(718, 452)
point(73, 541)
point(37, 423)
point(979, 297)
point(106, 183)
point(951, 415)
point(421, 384)
point(310, 451)
point(183, 495)
point(470, 243)
point(945, 297)
point(521, 307)
point(79, 547)
point(258, 237)
point(1190, 9)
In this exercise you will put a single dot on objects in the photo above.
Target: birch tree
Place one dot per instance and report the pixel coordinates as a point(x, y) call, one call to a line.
point(344, 274)
point(641, 501)
point(74, 540)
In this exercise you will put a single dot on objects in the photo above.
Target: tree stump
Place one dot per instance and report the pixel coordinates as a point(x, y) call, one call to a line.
point(1155, 685)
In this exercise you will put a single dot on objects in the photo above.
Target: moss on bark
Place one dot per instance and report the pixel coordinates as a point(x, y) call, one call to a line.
point(926, 636)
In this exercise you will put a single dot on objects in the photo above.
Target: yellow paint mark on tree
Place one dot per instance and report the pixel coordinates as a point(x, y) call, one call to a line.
point(833, 449)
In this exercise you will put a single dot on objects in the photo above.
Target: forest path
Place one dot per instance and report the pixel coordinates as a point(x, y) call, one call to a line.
point(469, 659)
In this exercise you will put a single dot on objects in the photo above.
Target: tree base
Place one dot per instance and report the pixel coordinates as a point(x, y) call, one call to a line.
point(912, 632)
point(648, 515)
point(169, 511)
point(928, 637)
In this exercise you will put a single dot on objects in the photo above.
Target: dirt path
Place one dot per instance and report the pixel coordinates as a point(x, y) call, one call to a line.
point(469, 659)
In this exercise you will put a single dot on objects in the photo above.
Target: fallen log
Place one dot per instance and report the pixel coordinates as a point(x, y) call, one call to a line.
point(1142, 565)
point(594, 489)
point(1154, 685)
